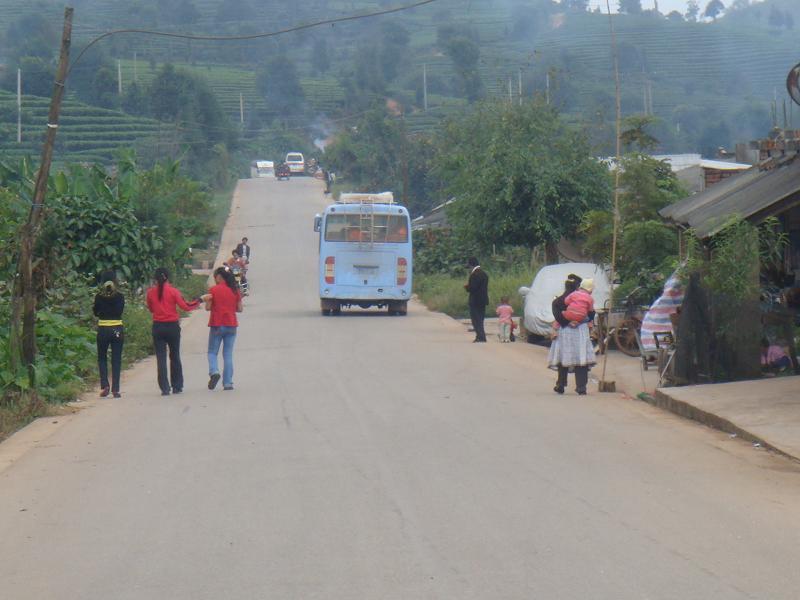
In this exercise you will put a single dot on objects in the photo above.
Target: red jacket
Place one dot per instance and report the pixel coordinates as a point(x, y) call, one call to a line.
point(165, 309)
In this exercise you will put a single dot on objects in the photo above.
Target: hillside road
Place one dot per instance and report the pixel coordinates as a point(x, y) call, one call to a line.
point(373, 457)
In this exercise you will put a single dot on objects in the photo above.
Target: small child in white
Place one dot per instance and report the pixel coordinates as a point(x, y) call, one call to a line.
point(505, 312)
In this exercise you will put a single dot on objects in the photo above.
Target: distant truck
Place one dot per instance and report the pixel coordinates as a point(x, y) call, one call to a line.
point(296, 162)
point(262, 168)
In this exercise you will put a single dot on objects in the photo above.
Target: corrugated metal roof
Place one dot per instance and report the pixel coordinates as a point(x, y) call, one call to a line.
point(749, 194)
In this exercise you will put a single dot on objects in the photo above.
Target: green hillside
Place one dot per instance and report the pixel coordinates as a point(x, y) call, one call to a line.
point(86, 133)
point(710, 84)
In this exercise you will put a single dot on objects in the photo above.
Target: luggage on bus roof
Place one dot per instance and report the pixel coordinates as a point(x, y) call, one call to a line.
point(362, 198)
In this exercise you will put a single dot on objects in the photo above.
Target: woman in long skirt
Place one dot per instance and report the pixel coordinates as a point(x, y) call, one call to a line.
point(572, 350)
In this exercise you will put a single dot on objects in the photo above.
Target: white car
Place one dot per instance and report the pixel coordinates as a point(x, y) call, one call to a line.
point(548, 284)
point(296, 162)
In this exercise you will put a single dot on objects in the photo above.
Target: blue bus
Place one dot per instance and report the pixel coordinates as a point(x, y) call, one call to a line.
point(365, 255)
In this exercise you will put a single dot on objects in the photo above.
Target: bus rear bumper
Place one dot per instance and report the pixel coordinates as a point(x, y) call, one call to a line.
point(355, 296)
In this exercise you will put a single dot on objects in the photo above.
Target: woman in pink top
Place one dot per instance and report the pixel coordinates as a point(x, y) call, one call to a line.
point(505, 312)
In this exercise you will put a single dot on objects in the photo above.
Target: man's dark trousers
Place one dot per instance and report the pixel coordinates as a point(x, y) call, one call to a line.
point(476, 315)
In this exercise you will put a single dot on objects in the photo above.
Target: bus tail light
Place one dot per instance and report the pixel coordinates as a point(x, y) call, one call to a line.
point(402, 271)
point(330, 269)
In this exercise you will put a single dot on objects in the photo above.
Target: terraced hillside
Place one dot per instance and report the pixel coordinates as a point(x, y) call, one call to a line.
point(324, 95)
point(86, 133)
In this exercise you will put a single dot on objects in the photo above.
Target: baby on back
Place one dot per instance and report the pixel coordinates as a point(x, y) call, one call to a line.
point(580, 303)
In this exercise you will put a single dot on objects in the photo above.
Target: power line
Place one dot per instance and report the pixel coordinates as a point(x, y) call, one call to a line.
point(254, 36)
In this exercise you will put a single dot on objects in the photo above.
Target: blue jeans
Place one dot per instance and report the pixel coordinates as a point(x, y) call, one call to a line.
point(225, 336)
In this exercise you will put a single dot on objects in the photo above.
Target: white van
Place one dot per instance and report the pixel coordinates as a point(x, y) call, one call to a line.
point(296, 162)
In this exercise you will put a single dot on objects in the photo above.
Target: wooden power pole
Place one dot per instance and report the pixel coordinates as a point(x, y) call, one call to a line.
point(25, 289)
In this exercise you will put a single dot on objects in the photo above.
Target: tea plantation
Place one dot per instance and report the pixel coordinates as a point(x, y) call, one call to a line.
point(86, 133)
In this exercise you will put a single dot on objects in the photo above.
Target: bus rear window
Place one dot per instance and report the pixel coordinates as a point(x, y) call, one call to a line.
point(366, 228)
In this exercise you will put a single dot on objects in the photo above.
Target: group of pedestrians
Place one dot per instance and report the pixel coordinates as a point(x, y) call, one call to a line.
point(571, 350)
point(164, 301)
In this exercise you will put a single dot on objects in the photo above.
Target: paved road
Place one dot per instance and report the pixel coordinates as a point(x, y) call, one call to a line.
point(367, 457)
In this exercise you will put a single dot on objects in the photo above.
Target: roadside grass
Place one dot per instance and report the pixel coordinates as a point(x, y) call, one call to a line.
point(445, 293)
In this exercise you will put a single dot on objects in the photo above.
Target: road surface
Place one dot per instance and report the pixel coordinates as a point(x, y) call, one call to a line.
point(368, 457)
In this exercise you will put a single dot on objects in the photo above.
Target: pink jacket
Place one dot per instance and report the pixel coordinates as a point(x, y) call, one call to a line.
point(579, 304)
point(505, 312)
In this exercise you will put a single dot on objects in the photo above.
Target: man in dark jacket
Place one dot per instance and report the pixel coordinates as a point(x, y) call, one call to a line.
point(243, 249)
point(478, 288)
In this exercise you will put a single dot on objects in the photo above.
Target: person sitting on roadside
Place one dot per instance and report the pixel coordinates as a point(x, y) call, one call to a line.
point(580, 304)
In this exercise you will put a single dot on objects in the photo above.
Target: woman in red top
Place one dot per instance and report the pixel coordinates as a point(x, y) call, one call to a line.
point(163, 301)
point(223, 300)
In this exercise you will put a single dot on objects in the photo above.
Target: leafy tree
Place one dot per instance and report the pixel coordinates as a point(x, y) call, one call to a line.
point(38, 75)
point(186, 99)
point(379, 154)
point(369, 75)
point(632, 7)
point(675, 16)
point(579, 5)
point(648, 185)
point(135, 101)
point(393, 49)
point(320, 56)
point(464, 53)
point(635, 133)
point(692, 11)
point(713, 9)
point(280, 87)
point(104, 88)
point(520, 175)
point(32, 35)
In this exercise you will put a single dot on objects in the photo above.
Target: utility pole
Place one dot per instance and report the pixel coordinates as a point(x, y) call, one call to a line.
point(609, 386)
point(19, 106)
point(119, 77)
point(135, 69)
point(520, 86)
point(25, 290)
point(241, 107)
point(425, 87)
point(547, 88)
point(510, 95)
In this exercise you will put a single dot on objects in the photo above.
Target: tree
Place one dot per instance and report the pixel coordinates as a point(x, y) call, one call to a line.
point(279, 85)
point(393, 49)
point(635, 134)
point(520, 174)
point(675, 16)
point(577, 5)
point(713, 9)
point(32, 35)
point(379, 154)
point(464, 53)
point(38, 75)
point(692, 11)
point(320, 56)
point(631, 7)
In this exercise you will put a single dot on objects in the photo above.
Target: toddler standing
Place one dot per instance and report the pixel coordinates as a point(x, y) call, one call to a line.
point(505, 312)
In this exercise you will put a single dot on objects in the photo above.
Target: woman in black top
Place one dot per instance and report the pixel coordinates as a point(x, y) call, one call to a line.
point(581, 371)
point(108, 306)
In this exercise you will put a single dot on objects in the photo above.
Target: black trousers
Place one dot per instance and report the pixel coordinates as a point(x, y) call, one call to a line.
point(477, 314)
point(167, 336)
point(581, 378)
point(114, 338)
